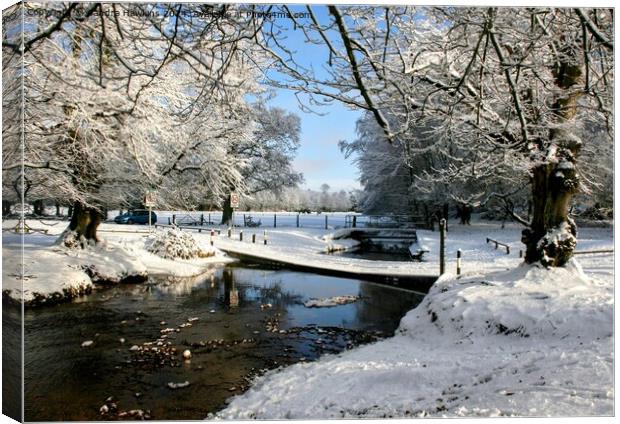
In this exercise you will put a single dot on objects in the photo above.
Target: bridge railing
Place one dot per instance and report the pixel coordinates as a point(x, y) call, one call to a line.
point(385, 221)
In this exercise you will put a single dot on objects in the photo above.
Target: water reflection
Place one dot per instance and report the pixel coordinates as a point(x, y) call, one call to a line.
point(231, 292)
point(170, 284)
point(233, 313)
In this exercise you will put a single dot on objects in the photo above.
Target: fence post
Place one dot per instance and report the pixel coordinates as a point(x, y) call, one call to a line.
point(265, 237)
point(174, 219)
point(274, 221)
point(202, 219)
point(458, 262)
point(508, 250)
point(229, 232)
point(297, 220)
point(354, 221)
point(326, 222)
point(241, 235)
point(244, 220)
point(442, 246)
point(254, 238)
point(169, 222)
point(211, 238)
point(209, 219)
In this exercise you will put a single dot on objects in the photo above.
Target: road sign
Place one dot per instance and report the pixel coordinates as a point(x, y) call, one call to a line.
point(149, 199)
point(234, 200)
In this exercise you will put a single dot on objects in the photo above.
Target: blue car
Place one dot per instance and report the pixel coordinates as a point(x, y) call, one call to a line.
point(137, 216)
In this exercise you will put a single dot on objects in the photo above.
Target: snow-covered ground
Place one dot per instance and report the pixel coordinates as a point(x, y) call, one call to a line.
point(54, 273)
point(307, 247)
point(501, 339)
point(524, 342)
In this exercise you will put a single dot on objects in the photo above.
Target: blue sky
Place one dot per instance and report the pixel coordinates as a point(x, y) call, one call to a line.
point(319, 157)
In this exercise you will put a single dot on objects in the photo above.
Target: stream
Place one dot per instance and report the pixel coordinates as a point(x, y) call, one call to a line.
point(237, 321)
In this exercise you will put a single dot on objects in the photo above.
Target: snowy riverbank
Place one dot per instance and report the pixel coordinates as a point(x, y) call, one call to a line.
point(524, 342)
point(307, 247)
point(54, 274)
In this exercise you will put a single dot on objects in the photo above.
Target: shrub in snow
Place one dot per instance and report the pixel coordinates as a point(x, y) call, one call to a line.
point(174, 243)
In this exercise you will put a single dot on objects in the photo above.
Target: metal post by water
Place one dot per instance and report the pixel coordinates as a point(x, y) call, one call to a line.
point(241, 235)
point(274, 221)
point(326, 222)
point(253, 238)
point(458, 262)
point(211, 238)
point(265, 237)
point(297, 220)
point(442, 246)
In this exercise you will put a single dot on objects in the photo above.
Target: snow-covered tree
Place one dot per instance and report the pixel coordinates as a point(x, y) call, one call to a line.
point(268, 152)
point(121, 98)
point(506, 91)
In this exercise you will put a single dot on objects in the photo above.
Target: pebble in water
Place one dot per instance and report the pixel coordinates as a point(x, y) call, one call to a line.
point(87, 343)
point(187, 354)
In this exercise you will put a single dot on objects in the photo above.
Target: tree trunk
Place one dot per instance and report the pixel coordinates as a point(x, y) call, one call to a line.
point(552, 236)
point(227, 212)
point(82, 230)
point(6, 207)
point(38, 207)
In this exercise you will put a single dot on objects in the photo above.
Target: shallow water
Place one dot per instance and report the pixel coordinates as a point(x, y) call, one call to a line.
point(229, 340)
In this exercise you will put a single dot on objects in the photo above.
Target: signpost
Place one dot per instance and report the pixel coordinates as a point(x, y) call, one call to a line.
point(149, 202)
point(234, 200)
point(234, 204)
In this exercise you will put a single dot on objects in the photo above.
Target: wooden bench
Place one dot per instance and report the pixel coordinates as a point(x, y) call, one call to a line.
point(497, 243)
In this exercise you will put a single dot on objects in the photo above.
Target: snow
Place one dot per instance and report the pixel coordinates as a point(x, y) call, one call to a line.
point(330, 301)
point(54, 273)
point(306, 247)
point(524, 342)
point(174, 243)
point(500, 339)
